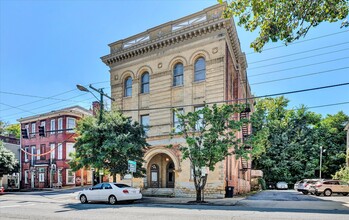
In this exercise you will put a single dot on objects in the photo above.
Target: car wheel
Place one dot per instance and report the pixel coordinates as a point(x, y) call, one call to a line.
point(305, 193)
point(112, 200)
point(327, 192)
point(344, 194)
point(83, 199)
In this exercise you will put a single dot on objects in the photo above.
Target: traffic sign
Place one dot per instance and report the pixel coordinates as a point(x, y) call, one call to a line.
point(132, 166)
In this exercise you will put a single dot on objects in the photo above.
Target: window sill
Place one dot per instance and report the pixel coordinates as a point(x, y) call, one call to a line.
point(127, 97)
point(144, 94)
point(179, 86)
point(199, 81)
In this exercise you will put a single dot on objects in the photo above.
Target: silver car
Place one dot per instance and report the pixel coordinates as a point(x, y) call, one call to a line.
point(281, 185)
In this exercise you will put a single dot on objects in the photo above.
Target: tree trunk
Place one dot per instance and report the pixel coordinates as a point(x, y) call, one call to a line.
point(114, 177)
point(198, 195)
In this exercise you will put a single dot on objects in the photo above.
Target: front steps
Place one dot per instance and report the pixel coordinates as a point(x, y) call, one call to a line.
point(160, 192)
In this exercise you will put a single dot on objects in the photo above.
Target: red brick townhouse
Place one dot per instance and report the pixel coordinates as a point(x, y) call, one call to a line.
point(45, 151)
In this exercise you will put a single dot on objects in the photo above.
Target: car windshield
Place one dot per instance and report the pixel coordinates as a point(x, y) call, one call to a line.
point(120, 185)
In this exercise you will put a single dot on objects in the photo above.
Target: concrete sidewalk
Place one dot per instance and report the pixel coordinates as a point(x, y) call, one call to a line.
point(190, 201)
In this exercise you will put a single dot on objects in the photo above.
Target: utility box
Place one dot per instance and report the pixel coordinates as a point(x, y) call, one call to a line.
point(229, 191)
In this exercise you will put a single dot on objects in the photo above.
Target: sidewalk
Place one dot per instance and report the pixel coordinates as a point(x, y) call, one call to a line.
point(189, 201)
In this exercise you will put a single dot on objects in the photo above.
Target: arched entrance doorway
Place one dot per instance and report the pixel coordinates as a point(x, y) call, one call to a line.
point(170, 175)
point(161, 171)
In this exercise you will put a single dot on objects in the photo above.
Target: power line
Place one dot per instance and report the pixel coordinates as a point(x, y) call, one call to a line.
point(333, 104)
point(299, 76)
point(59, 94)
point(17, 108)
point(298, 67)
point(241, 99)
point(301, 41)
point(35, 96)
point(302, 58)
point(305, 51)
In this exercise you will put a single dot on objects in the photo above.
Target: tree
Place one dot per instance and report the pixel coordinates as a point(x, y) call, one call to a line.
point(284, 20)
point(342, 174)
point(109, 145)
point(2, 127)
point(13, 129)
point(291, 144)
point(333, 141)
point(292, 140)
point(8, 163)
point(210, 133)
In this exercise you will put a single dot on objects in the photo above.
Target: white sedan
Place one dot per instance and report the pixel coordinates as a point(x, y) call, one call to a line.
point(109, 192)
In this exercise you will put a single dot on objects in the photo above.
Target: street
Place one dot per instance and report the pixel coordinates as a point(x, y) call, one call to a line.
point(265, 205)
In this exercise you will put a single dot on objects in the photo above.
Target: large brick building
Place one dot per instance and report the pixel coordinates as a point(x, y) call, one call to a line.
point(182, 64)
point(44, 158)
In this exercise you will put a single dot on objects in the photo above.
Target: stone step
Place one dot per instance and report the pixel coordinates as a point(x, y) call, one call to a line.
point(168, 192)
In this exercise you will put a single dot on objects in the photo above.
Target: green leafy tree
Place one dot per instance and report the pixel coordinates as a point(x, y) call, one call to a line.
point(13, 129)
point(284, 20)
point(333, 141)
point(2, 127)
point(8, 163)
point(290, 151)
point(210, 133)
point(342, 174)
point(109, 145)
point(292, 140)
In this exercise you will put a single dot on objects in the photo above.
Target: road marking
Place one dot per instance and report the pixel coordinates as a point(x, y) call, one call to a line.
point(13, 206)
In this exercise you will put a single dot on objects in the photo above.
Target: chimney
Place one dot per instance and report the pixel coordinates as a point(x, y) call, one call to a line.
point(95, 107)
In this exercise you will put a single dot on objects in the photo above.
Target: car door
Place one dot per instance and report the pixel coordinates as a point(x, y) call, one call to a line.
point(94, 192)
point(105, 192)
point(344, 187)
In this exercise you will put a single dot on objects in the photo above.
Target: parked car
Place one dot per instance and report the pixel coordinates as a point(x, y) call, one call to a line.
point(281, 185)
point(2, 190)
point(296, 185)
point(109, 192)
point(304, 185)
point(327, 187)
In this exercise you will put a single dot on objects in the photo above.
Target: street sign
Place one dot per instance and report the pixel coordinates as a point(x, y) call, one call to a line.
point(132, 166)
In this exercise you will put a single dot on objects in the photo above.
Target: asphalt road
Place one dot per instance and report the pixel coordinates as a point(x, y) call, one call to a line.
point(265, 205)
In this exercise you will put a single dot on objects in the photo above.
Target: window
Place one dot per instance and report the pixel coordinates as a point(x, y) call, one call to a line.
point(27, 127)
point(38, 154)
point(98, 186)
point(33, 130)
point(107, 186)
point(200, 69)
point(69, 149)
point(145, 83)
point(26, 149)
point(60, 125)
point(43, 151)
point(128, 87)
point(59, 151)
point(26, 176)
point(70, 176)
point(41, 175)
point(33, 155)
point(53, 126)
point(52, 149)
point(71, 124)
point(145, 123)
point(200, 122)
point(178, 74)
point(176, 121)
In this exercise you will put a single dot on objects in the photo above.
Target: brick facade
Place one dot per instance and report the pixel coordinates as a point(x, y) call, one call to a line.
point(44, 159)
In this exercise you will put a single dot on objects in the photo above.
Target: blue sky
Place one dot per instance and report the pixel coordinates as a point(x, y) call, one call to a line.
point(47, 47)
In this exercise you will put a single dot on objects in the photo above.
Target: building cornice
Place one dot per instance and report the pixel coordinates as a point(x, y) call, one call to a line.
point(195, 25)
point(77, 111)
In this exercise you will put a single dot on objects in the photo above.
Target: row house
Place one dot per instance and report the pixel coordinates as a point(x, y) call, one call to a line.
point(181, 64)
point(45, 157)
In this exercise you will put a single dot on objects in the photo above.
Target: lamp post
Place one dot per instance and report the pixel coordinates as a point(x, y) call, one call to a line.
point(100, 100)
point(321, 151)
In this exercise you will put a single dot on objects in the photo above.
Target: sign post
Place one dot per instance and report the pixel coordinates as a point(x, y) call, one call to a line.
point(132, 165)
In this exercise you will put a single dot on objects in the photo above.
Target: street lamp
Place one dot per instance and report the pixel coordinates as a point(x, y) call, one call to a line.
point(321, 151)
point(100, 100)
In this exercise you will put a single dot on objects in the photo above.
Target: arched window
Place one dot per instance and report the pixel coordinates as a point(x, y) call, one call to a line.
point(178, 74)
point(145, 83)
point(200, 69)
point(128, 87)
